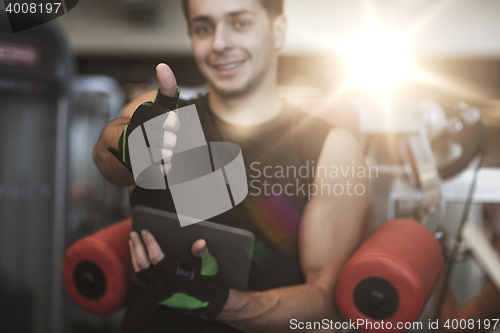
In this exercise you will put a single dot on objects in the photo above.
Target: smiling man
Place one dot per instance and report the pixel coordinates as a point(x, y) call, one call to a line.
point(301, 244)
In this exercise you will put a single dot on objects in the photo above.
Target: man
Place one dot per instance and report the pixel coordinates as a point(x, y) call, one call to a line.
point(301, 244)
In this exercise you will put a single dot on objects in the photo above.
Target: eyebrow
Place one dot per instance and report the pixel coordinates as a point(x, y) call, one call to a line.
point(203, 18)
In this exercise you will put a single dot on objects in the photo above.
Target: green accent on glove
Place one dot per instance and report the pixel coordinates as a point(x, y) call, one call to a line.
point(156, 96)
point(123, 146)
point(183, 301)
point(209, 265)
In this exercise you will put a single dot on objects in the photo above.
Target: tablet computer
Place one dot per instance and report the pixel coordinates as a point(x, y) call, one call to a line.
point(232, 247)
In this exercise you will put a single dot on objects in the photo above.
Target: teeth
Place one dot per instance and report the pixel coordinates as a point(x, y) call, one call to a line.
point(228, 66)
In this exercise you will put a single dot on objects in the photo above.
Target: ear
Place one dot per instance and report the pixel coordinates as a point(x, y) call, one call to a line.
point(279, 31)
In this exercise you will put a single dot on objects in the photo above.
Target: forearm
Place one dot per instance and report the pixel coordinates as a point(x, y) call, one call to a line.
point(272, 310)
point(107, 164)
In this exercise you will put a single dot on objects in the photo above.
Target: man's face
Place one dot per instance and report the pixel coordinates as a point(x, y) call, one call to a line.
point(233, 43)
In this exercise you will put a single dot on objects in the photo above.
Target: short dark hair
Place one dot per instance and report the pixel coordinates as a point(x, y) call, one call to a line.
point(273, 7)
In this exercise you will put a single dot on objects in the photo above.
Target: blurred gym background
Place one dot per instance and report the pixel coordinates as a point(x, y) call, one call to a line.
point(60, 83)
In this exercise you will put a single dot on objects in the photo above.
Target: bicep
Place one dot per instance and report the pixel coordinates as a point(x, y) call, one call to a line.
point(332, 223)
point(130, 108)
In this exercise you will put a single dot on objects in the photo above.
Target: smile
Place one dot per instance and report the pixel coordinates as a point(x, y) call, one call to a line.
point(228, 66)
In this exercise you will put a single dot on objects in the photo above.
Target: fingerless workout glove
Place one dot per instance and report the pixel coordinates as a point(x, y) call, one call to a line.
point(146, 111)
point(194, 290)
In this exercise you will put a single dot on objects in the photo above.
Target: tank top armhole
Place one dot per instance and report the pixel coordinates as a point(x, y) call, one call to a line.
point(311, 136)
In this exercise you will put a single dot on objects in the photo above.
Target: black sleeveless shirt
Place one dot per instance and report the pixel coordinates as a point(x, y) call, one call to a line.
point(280, 158)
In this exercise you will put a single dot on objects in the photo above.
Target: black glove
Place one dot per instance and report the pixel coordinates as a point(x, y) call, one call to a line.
point(194, 290)
point(146, 111)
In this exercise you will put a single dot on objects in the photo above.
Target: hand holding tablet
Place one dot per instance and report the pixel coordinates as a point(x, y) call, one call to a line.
point(177, 266)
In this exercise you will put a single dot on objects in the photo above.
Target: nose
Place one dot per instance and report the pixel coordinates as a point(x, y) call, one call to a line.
point(221, 41)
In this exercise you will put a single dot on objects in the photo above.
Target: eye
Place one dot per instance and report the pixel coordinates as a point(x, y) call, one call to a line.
point(203, 30)
point(241, 24)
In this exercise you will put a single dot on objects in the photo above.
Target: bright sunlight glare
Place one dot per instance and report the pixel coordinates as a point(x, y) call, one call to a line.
point(377, 61)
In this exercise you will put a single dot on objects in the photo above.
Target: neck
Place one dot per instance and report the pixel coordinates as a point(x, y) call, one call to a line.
point(254, 108)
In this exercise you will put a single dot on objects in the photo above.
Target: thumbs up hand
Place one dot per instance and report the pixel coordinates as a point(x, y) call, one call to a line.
point(159, 124)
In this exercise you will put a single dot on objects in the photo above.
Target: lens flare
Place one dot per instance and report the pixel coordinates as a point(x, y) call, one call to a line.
point(377, 61)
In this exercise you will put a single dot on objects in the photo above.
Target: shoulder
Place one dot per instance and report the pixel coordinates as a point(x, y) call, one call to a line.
point(340, 145)
point(340, 136)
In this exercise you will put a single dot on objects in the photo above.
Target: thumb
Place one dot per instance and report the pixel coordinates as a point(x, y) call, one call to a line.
point(199, 248)
point(166, 80)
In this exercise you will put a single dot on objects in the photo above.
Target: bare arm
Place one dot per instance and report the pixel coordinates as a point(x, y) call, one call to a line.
point(330, 232)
